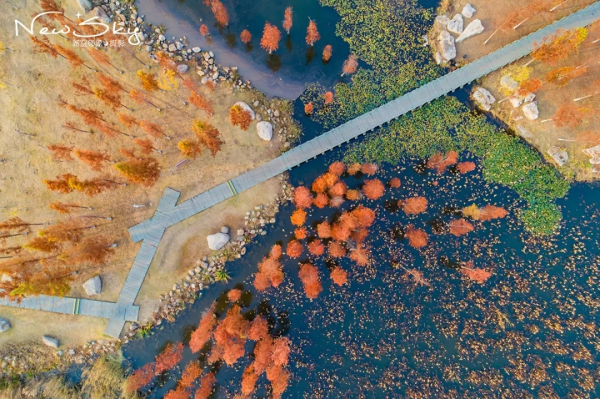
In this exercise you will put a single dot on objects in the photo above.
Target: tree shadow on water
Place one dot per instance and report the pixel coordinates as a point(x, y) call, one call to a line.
point(274, 62)
point(310, 55)
point(288, 43)
point(249, 47)
point(230, 39)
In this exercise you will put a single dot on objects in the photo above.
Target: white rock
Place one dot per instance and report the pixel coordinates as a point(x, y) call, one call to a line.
point(179, 45)
point(196, 49)
point(438, 58)
point(101, 14)
point(468, 11)
point(456, 24)
point(560, 156)
point(182, 68)
point(442, 20)
point(484, 98)
point(509, 83)
point(161, 38)
point(474, 28)
point(52, 342)
point(265, 130)
point(217, 241)
point(93, 286)
point(447, 47)
point(516, 101)
point(592, 152)
point(4, 325)
point(225, 230)
point(529, 98)
point(524, 132)
point(172, 48)
point(246, 107)
point(595, 161)
point(85, 5)
point(530, 111)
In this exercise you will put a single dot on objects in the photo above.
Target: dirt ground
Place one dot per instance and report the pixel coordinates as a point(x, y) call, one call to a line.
point(550, 97)
point(32, 120)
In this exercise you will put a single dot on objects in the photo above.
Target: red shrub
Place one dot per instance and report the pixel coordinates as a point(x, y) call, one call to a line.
point(466, 167)
point(324, 230)
point(417, 238)
point(414, 205)
point(259, 329)
point(339, 276)
point(395, 182)
point(309, 275)
point(168, 358)
point(369, 169)
point(321, 200)
point(294, 249)
point(316, 247)
point(337, 168)
point(373, 189)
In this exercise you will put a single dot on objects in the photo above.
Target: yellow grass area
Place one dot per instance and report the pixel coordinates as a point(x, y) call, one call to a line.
point(32, 119)
point(550, 97)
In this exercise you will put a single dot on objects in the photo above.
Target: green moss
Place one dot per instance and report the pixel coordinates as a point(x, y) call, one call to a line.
point(542, 218)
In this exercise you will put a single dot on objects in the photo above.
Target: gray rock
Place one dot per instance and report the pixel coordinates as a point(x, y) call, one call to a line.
point(455, 25)
point(468, 11)
point(93, 286)
point(50, 341)
point(246, 107)
point(442, 20)
point(531, 111)
point(509, 83)
point(256, 103)
point(438, 58)
point(592, 152)
point(225, 230)
point(204, 80)
point(85, 5)
point(276, 113)
point(484, 98)
point(182, 68)
point(179, 45)
point(529, 98)
point(206, 56)
point(71, 352)
point(161, 38)
point(559, 156)
point(474, 28)
point(264, 130)
point(101, 14)
point(217, 241)
point(447, 46)
point(172, 48)
point(516, 101)
point(215, 75)
point(196, 49)
point(4, 325)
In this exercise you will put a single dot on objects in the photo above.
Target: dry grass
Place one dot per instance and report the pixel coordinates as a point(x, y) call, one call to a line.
point(550, 97)
point(33, 108)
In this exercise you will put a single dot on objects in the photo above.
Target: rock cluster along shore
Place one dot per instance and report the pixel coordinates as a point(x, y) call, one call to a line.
point(205, 273)
point(446, 43)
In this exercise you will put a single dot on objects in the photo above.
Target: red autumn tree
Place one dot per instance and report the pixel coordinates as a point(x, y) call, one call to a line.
point(336, 202)
point(147, 80)
point(308, 108)
point(201, 102)
point(287, 19)
point(302, 197)
point(279, 379)
point(338, 189)
point(60, 152)
point(294, 249)
point(321, 200)
point(177, 393)
point(337, 168)
point(234, 295)
point(353, 195)
point(328, 97)
point(220, 13)
point(414, 205)
point(94, 159)
point(562, 76)
point(339, 276)
point(144, 171)
point(355, 168)
point(191, 372)
point(394, 182)
point(417, 238)
point(312, 34)
point(369, 169)
point(350, 65)
point(465, 167)
point(316, 247)
point(336, 250)
point(152, 129)
point(530, 85)
point(559, 46)
point(240, 117)
point(249, 378)
point(269, 274)
point(245, 36)
point(327, 51)
point(270, 39)
point(189, 148)
point(208, 136)
point(441, 162)
point(207, 383)
point(281, 351)
point(309, 275)
point(373, 189)
point(204, 332)
point(324, 229)
point(474, 273)
point(301, 233)
point(204, 30)
point(361, 255)
point(259, 329)
point(569, 115)
point(460, 227)
point(298, 217)
point(168, 358)
point(140, 378)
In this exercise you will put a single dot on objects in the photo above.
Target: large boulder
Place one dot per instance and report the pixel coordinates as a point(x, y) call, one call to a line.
point(442, 20)
point(182, 69)
point(246, 107)
point(509, 83)
point(455, 25)
point(516, 101)
point(484, 98)
point(474, 28)
point(468, 11)
point(447, 46)
point(559, 156)
point(86, 5)
point(100, 14)
point(50, 341)
point(265, 130)
point(530, 110)
point(217, 241)
point(93, 286)
point(4, 325)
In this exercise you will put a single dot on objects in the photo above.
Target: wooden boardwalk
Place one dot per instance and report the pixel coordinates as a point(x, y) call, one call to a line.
point(169, 213)
point(77, 306)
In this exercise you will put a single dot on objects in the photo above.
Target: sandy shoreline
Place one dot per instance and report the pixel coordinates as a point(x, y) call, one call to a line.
point(260, 76)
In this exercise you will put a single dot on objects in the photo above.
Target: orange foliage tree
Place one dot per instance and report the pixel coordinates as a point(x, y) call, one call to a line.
point(559, 46)
point(488, 212)
point(259, 329)
point(312, 34)
point(460, 227)
point(201, 102)
point(191, 372)
point(309, 275)
point(474, 273)
point(144, 171)
point(350, 65)
point(321, 200)
point(465, 167)
point(395, 182)
point(208, 136)
point(298, 217)
point(324, 229)
point(316, 247)
point(204, 332)
point(308, 108)
point(220, 13)
point(441, 162)
point(294, 249)
point(328, 97)
point(60, 152)
point(270, 39)
point(339, 276)
point(562, 76)
point(369, 169)
point(287, 19)
point(417, 238)
point(240, 117)
point(373, 189)
point(189, 148)
point(140, 378)
point(94, 159)
point(327, 52)
point(153, 129)
point(414, 205)
point(207, 383)
point(302, 197)
point(336, 249)
point(530, 85)
point(147, 80)
point(203, 30)
point(569, 115)
point(245, 36)
point(168, 358)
